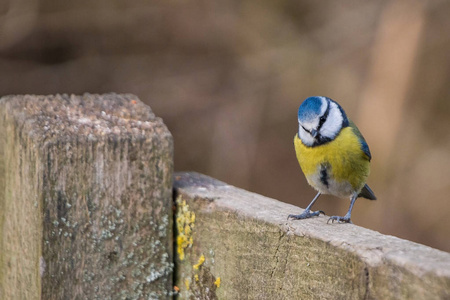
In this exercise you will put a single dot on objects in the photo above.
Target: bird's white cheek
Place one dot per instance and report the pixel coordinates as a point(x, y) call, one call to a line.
point(333, 124)
point(306, 138)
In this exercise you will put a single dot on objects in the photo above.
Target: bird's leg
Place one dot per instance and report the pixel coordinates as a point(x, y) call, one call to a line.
point(346, 218)
point(307, 213)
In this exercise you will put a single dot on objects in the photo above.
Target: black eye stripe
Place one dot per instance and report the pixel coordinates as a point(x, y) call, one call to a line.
point(324, 117)
point(322, 120)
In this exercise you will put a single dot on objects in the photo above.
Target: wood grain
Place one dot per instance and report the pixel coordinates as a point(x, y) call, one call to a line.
point(257, 253)
point(85, 198)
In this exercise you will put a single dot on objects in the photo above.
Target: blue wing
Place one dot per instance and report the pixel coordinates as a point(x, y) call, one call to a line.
point(364, 146)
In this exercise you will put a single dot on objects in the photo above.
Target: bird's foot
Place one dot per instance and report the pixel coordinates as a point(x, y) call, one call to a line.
point(306, 214)
point(344, 219)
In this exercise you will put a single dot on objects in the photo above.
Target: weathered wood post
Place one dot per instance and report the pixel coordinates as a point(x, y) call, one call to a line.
point(85, 198)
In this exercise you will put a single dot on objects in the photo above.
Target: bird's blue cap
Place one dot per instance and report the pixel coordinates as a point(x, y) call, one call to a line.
point(310, 108)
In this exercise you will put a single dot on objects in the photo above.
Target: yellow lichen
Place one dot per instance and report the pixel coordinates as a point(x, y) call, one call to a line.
point(217, 282)
point(187, 283)
point(185, 223)
point(187, 230)
point(201, 260)
point(196, 277)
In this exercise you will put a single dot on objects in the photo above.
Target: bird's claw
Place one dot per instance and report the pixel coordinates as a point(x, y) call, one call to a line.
point(306, 215)
point(339, 219)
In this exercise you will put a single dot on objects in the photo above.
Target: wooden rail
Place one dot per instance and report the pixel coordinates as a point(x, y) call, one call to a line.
point(246, 240)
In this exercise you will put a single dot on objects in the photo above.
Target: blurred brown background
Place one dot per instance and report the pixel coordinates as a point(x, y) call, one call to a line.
point(227, 77)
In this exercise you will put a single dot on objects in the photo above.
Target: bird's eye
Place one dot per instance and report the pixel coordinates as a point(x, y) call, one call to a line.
point(321, 121)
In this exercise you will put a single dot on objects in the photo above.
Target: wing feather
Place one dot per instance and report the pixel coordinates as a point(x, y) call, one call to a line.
point(364, 145)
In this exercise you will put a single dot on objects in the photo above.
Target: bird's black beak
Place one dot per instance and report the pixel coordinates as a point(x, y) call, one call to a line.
point(314, 133)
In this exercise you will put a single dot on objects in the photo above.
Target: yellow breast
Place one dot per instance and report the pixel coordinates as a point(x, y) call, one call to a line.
point(347, 162)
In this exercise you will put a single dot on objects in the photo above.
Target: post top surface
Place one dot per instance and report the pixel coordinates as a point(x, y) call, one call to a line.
point(89, 115)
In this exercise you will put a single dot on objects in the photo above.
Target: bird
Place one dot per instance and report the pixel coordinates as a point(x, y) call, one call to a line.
point(333, 155)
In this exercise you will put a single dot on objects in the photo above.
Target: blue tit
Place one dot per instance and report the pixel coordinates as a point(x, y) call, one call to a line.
point(332, 154)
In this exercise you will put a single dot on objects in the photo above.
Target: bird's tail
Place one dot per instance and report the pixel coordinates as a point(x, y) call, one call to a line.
point(367, 193)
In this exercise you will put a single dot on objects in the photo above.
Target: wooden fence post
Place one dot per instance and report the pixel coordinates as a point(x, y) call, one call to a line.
point(85, 198)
